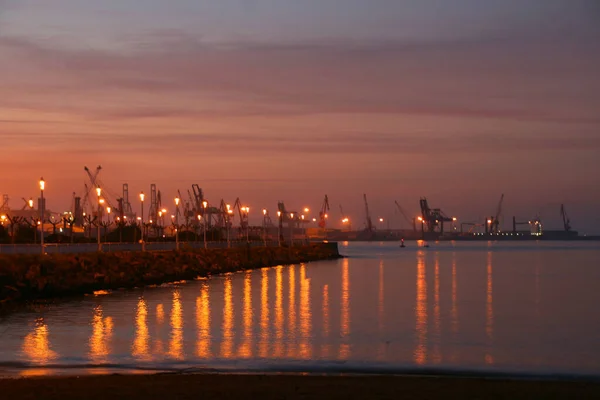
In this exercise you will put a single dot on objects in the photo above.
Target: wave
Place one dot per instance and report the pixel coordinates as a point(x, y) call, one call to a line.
point(16, 368)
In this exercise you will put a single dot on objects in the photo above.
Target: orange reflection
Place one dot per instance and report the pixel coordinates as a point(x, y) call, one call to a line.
point(537, 290)
point(160, 314)
point(36, 345)
point(305, 315)
point(345, 317)
point(141, 348)
point(227, 342)
point(325, 347)
point(176, 342)
point(436, 356)
point(292, 312)
point(420, 354)
point(245, 350)
point(326, 310)
point(264, 314)
point(489, 320)
point(279, 312)
point(380, 312)
point(203, 323)
point(101, 335)
point(380, 309)
point(454, 310)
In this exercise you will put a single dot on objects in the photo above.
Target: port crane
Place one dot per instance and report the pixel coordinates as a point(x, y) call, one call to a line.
point(28, 203)
point(95, 182)
point(565, 218)
point(88, 189)
point(494, 222)
point(4, 204)
point(369, 222)
point(433, 217)
point(345, 219)
point(408, 220)
point(323, 213)
point(516, 223)
point(155, 203)
point(242, 212)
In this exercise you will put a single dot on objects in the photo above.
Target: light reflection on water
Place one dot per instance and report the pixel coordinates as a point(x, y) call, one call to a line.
point(461, 307)
point(420, 355)
point(203, 322)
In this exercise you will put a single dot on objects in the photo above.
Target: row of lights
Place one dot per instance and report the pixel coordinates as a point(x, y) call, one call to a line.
point(244, 209)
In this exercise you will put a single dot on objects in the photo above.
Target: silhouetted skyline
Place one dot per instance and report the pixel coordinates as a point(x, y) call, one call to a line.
point(290, 100)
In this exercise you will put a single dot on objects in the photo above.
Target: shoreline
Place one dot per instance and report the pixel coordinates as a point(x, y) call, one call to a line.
point(290, 386)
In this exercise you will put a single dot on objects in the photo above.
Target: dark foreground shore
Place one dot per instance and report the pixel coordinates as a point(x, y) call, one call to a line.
point(266, 387)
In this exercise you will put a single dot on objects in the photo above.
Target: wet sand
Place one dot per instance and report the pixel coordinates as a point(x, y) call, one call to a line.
point(266, 387)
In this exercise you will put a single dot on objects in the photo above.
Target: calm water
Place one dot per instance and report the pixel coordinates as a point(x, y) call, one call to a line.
point(509, 307)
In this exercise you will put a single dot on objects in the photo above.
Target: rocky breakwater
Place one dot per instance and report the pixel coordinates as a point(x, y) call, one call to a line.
point(30, 277)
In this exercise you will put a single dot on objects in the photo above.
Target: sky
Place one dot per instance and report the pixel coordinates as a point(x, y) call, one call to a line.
point(270, 100)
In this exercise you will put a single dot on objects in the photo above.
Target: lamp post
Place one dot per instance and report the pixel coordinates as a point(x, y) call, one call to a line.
point(108, 210)
point(279, 228)
point(247, 224)
point(42, 187)
point(177, 223)
point(204, 205)
point(229, 212)
point(142, 221)
point(98, 220)
point(304, 226)
point(291, 229)
point(197, 231)
point(265, 226)
point(30, 203)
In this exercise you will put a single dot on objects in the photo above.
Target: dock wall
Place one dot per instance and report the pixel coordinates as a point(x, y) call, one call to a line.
point(26, 277)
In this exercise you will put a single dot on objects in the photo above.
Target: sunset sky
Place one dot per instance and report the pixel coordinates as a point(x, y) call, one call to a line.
point(269, 100)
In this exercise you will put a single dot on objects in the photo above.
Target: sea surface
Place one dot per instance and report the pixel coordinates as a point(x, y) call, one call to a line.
point(480, 307)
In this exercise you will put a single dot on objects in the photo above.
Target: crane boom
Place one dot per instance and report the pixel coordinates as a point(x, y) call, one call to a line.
point(368, 215)
point(323, 213)
point(495, 221)
point(565, 218)
point(408, 220)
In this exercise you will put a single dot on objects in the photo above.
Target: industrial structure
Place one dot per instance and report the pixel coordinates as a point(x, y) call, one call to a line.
point(97, 213)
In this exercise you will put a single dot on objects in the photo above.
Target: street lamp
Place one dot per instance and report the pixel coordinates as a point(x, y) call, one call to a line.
point(229, 212)
point(197, 230)
point(291, 229)
point(265, 226)
point(204, 205)
point(42, 187)
point(98, 192)
point(247, 223)
point(142, 220)
point(279, 228)
point(177, 223)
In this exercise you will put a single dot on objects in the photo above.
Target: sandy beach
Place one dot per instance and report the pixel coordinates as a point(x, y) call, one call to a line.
point(265, 387)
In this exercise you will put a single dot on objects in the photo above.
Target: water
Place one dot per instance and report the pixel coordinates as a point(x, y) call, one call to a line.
point(522, 308)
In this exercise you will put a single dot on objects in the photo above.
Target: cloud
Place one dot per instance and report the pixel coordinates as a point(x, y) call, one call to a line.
point(177, 94)
point(502, 79)
point(346, 143)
